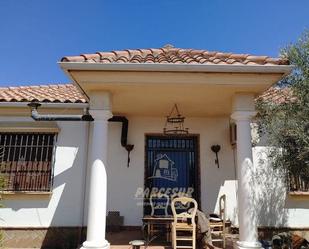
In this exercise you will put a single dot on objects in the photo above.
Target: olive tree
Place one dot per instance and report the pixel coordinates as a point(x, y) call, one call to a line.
point(286, 123)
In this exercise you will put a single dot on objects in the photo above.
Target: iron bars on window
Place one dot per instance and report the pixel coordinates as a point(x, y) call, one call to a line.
point(27, 159)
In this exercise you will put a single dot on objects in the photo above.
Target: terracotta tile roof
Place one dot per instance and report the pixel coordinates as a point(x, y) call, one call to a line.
point(169, 54)
point(277, 95)
point(61, 93)
point(68, 93)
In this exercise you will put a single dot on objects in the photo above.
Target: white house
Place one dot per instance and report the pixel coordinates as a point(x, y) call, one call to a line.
point(66, 173)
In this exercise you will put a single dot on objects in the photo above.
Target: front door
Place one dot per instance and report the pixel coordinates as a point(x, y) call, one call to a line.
point(171, 168)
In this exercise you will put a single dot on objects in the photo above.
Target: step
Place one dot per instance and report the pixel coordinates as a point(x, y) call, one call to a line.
point(184, 238)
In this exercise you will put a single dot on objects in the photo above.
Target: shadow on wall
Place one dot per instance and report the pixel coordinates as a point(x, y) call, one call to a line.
point(65, 229)
point(51, 213)
point(36, 201)
point(269, 192)
point(58, 234)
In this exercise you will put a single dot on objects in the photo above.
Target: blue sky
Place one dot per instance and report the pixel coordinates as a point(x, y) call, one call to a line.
point(35, 34)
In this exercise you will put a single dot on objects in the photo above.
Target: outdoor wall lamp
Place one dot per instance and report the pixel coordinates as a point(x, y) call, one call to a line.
point(129, 148)
point(216, 148)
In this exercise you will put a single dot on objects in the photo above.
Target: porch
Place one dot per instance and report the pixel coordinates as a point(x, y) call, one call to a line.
point(209, 95)
point(125, 183)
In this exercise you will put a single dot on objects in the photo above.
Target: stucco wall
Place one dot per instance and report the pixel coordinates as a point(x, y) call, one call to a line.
point(123, 182)
point(64, 206)
point(274, 206)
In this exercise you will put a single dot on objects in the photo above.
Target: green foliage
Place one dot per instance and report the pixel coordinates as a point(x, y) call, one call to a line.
point(287, 124)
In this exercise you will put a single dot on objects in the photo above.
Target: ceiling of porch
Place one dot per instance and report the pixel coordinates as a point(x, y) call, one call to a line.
point(154, 93)
point(158, 101)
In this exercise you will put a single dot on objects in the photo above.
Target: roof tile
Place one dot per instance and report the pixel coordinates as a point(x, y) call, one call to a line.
point(64, 93)
point(169, 54)
point(68, 93)
point(277, 95)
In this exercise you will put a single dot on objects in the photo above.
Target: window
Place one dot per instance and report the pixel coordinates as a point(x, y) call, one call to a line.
point(26, 161)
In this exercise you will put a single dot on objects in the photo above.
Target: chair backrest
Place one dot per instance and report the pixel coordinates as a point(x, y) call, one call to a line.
point(222, 207)
point(184, 215)
point(159, 204)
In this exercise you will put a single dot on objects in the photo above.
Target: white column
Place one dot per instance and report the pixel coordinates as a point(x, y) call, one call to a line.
point(247, 221)
point(97, 189)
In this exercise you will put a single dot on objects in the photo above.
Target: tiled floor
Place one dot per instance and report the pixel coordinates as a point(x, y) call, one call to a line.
point(120, 240)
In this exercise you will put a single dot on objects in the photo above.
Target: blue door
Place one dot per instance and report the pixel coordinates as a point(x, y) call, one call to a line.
point(171, 170)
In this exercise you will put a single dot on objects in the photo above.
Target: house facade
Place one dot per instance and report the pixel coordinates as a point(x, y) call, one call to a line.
point(67, 171)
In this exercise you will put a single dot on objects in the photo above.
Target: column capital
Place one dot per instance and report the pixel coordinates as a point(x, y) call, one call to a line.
point(100, 100)
point(243, 102)
point(243, 115)
point(101, 115)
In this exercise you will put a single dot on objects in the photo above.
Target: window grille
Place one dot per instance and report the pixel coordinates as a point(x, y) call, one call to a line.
point(26, 161)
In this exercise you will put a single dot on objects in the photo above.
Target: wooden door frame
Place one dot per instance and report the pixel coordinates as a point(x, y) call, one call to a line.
point(198, 164)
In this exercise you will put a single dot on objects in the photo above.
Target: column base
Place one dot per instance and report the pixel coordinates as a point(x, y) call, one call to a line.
point(247, 245)
point(95, 245)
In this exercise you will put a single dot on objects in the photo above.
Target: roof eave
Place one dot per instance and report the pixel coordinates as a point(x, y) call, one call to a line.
point(56, 105)
point(169, 67)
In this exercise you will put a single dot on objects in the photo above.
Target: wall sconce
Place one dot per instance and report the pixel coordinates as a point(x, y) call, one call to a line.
point(129, 148)
point(216, 148)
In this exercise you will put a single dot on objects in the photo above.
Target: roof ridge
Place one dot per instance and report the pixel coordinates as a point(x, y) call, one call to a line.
point(180, 55)
point(169, 47)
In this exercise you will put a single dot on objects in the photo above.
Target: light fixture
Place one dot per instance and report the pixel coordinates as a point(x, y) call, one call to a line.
point(175, 123)
point(216, 148)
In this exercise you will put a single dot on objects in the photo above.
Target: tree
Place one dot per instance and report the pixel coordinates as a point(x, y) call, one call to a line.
point(286, 123)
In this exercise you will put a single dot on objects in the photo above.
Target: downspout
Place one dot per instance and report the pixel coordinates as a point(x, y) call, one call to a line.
point(56, 117)
point(85, 117)
point(124, 134)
